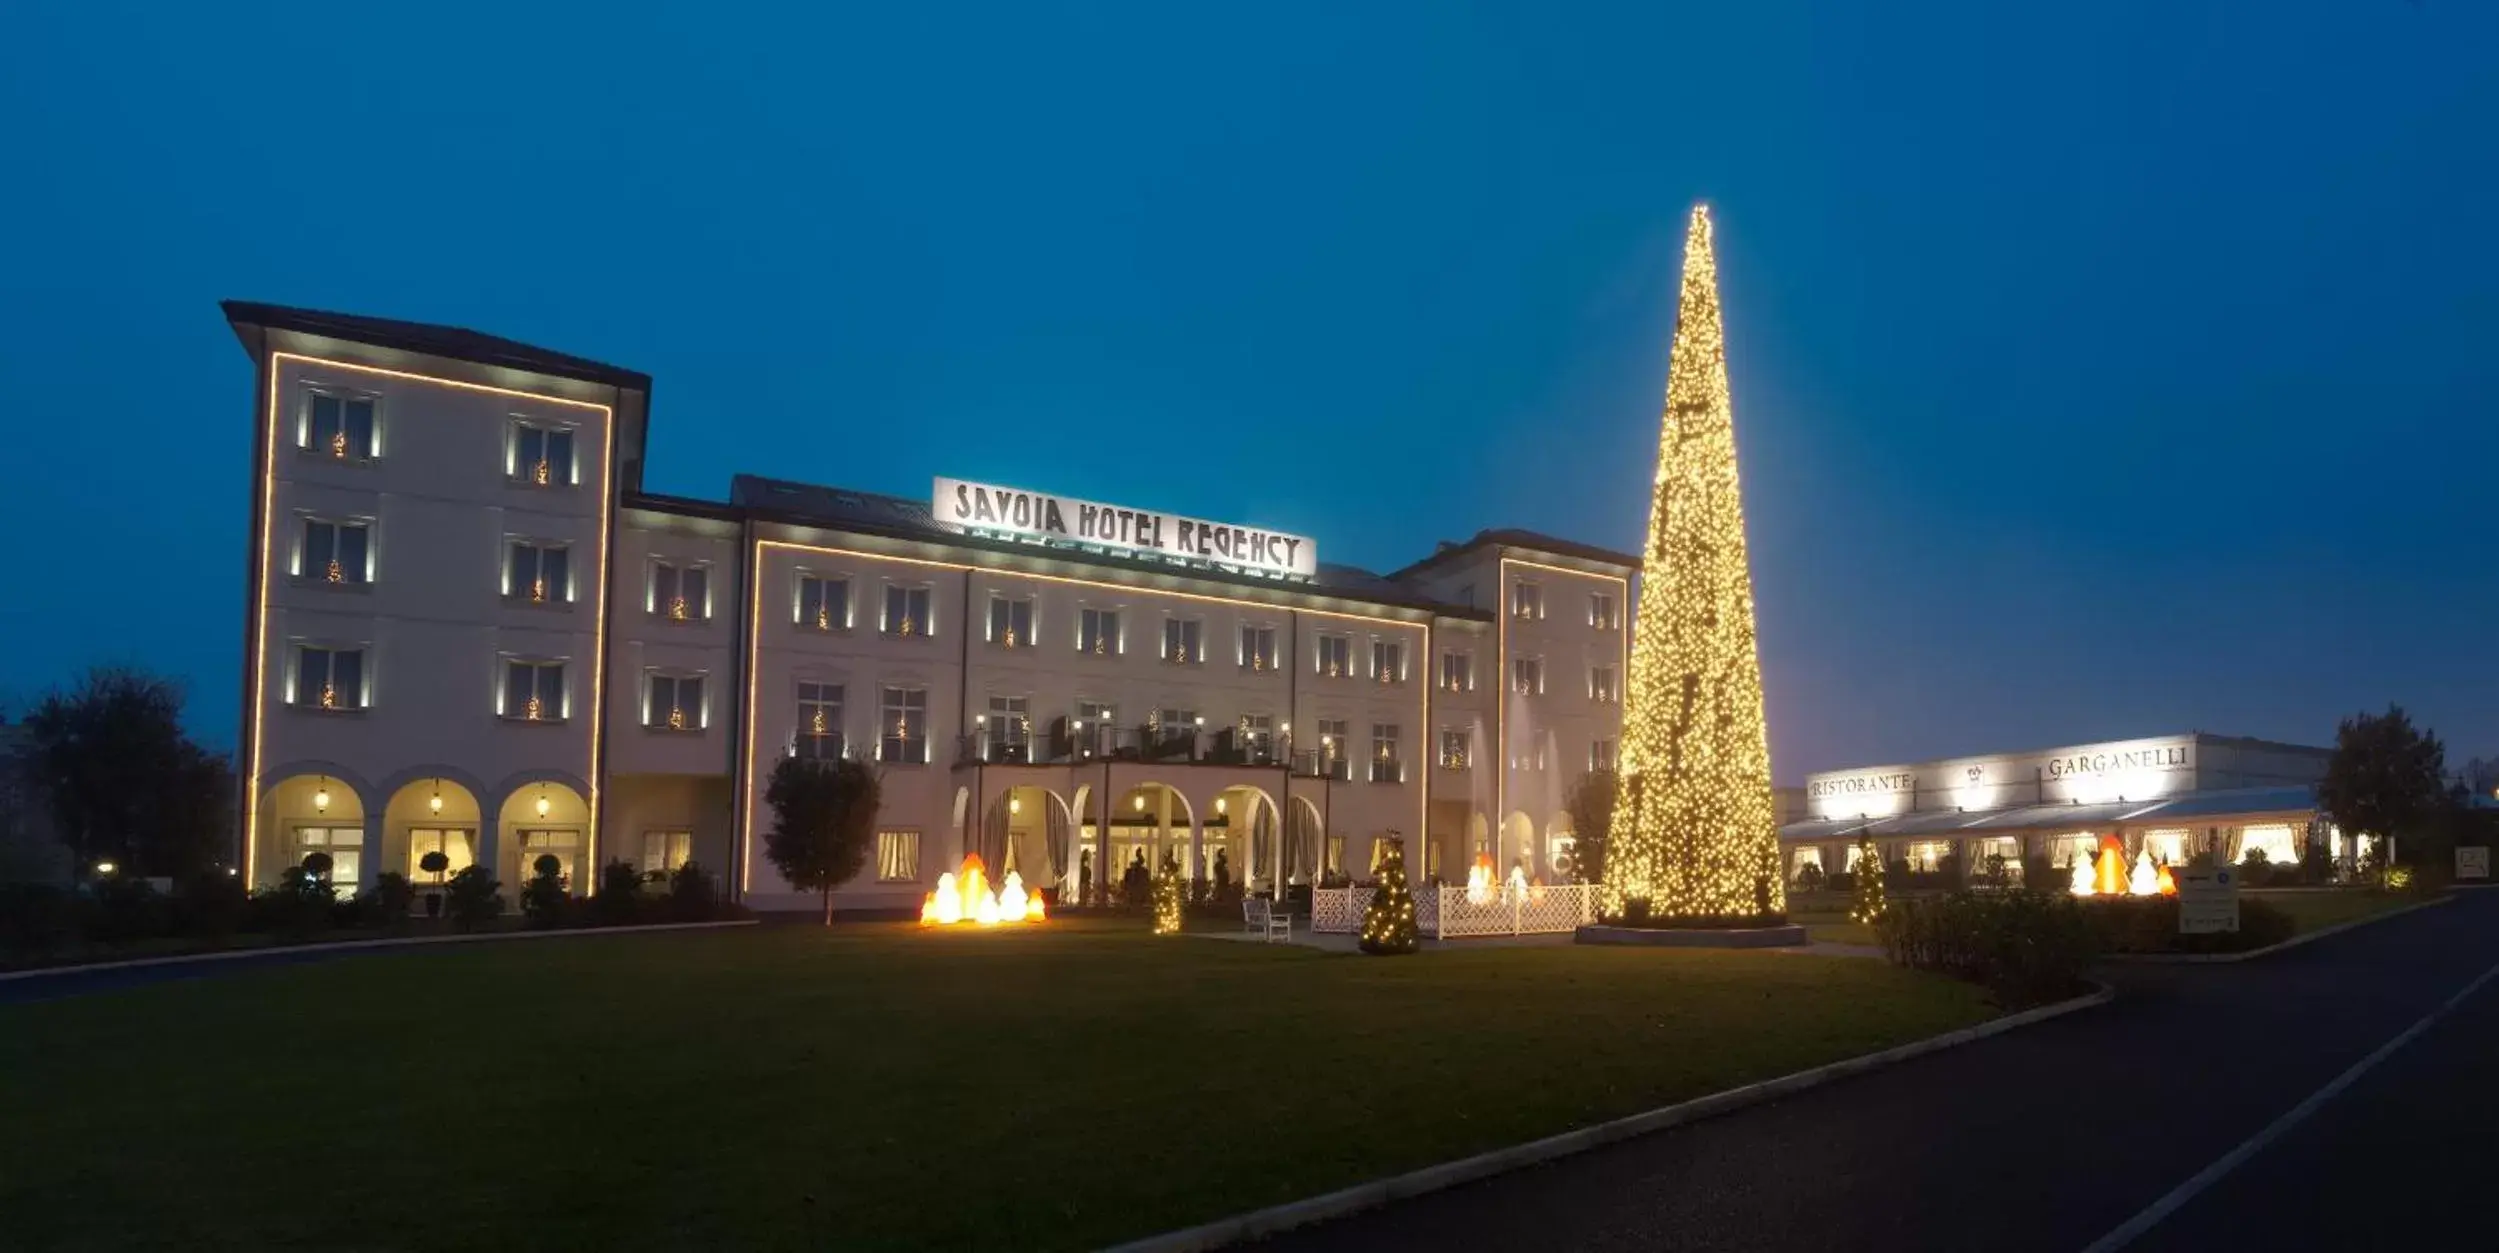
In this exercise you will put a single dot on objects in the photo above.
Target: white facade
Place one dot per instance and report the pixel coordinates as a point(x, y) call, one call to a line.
point(471, 631)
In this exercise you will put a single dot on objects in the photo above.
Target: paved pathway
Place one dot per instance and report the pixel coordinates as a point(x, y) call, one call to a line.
point(2055, 1136)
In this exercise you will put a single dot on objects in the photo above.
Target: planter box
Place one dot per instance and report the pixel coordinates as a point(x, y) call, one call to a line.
point(1788, 936)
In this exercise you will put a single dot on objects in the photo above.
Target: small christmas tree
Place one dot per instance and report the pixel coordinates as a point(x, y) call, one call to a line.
point(1388, 922)
point(1167, 896)
point(1869, 904)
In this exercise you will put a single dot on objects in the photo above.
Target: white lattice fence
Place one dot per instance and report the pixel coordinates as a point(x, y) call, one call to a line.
point(1338, 910)
point(1446, 912)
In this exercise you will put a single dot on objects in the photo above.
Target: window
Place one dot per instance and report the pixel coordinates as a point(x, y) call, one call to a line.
point(2167, 845)
point(1603, 754)
point(2275, 840)
point(541, 456)
point(1925, 856)
point(1385, 767)
point(680, 593)
point(1097, 632)
point(1096, 730)
point(898, 856)
point(819, 733)
point(1258, 648)
point(1531, 754)
point(1457, 672)
point(1011, 621)
point(664, 851)
point(1601, 611)
point(673, 702)
point(455, 844)
point(1176, 725)
point(1334, 748)
point(1257, 736)
point(902, 733)
point(906, 611)
point(1527, 600)
point(1336, 855)
point(1601, 686)
point(538, 573)
point(1527, 676)
point(329, 678)
point(1184, 642)
point(335, 552)
point(561, 843)
point(1388, 661)
point(345, 846)
point(1009, 728)
point(533, 691)
point(823, 603)
point(1336, 656)
point(338, 427)
point(1453, 755)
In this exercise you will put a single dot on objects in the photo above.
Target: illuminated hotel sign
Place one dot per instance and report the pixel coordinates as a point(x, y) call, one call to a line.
point(2127, 770)
point(987, 509)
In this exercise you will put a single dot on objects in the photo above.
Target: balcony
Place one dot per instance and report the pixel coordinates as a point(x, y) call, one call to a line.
point(1065, 743)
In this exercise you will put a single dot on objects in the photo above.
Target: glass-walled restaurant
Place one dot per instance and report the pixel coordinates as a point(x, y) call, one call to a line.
point(2171, 797)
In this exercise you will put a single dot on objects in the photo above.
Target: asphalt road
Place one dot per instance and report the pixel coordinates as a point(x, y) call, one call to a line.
point(2054, 1136)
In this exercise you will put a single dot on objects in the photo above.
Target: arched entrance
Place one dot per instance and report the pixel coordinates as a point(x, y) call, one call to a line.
point(1243, 839)
point(1309, 852)
point(1148, 822)
point(1030, 831)
point(433, 814)
point(545, 818)
point(312, 811)
point(1518, 841)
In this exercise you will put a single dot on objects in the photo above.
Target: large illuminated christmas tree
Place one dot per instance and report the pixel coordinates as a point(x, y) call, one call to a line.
point(1694, 833)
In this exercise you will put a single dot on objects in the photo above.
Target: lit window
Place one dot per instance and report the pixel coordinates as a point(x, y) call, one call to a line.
point(2167, 845)
point(1335, 750)
point(338, 427)
point(823, 603)
point(561, 843)
point(1336, 855)
point(1457, 672)
point(902, 731)
point(1601, 686)
point(1527, 676)
point(335, 552)
point(329, 678)
point(1386, 767)
point(673, 702)
point(664, 851)
point(898, 856)
point(1527, 600)
point(538, 573)
point(1388, 661)
point(1602, 612)
point(1175, 726)
point(1097, 727)
point(453, 843)
point(1336, 656)
point(906, 611)
point(2275, 840)
point(1532, 754)
point(1258, 648)
point(1453, 745)
point(540, 455)
point(1926, 856)
point(1183, 641)
point(680, 593)
point(819, 733)
point(1011, 621)
point(1602, 754)
point(1257, 736)
point(533, 691)
point(1009, 728)
point(345, 847)
point(1097, 632)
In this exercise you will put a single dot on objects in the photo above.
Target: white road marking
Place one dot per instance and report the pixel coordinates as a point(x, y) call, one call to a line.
point(2133, 1228)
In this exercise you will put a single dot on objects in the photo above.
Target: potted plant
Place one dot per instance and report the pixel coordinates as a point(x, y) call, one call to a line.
point(434, 863)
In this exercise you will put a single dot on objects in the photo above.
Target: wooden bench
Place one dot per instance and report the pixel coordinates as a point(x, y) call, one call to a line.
point(1260, 914)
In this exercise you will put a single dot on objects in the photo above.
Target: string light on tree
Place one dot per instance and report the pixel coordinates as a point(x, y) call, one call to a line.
point(1695, 833)
point(1388, 921)
point(1869, 902)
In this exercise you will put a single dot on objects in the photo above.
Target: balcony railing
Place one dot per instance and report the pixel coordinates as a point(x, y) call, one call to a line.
point(1066, 744)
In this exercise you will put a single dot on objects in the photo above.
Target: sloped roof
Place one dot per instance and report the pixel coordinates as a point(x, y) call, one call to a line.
point(1512, 537)
point(456, 342)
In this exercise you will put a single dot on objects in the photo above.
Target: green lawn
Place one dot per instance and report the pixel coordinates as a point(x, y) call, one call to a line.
point(2315, 911)
point(791, 1087)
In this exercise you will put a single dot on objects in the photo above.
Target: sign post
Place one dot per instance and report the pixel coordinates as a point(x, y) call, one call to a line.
point(2208, 900)
point(2473, 863)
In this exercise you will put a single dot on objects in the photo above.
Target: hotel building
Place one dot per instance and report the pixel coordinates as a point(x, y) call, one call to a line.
point(2173, 796)
point(471, 630)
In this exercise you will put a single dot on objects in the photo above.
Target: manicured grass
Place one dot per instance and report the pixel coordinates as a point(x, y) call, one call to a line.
point(2315, 911)
point(1834, 928)
point(792, 1087)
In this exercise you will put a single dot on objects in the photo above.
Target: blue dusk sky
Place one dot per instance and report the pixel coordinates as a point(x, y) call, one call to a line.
point(2100, 369)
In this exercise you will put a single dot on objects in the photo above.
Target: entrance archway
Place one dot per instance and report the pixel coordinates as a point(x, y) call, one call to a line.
point(1309, 854)
point(1244, 838)
point(1030, 831)
point(546, 818)
point(1148, 822)
point(310, 812)
point(430, 815)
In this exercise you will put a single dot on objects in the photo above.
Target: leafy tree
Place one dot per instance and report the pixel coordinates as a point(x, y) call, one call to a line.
point(434, 863)
point(124, 784)
point(824, 822)
point(1591, 807)
point(2383, 779)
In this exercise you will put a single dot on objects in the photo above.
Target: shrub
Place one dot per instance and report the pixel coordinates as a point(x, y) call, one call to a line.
point(473, 897)
point(387, 902)
point(297, 905)
point(2149, 924)
point(126, 909)
point(693, 896)
point(2398, 878)
point(2026, 947)
point(618, 902)
point(543, 899)
point(1809, 878)
point(36, 918)
point(211, 905)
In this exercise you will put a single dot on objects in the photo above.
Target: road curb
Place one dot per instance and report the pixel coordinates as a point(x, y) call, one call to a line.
point(2209, 959)
point(344, 946)
point(1263, 1222)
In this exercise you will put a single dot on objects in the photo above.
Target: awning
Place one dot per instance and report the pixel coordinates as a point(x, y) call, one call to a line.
point(2228, 806)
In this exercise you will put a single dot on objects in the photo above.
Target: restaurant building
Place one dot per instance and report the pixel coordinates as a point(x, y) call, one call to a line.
point(2172, 796)
point(470, 629)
